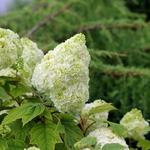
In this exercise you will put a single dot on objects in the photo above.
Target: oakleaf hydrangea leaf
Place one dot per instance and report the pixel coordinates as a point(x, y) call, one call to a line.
point(145, 144)
point(3, 94)
point(86, 142)
point(72, 134)
point(19, 131)
point(117, 128)
point(101, 108)
point(26, 112)
point(3, 144)
point(15, 92)
point(16, 144)
point(45, 136)
point(113, 146)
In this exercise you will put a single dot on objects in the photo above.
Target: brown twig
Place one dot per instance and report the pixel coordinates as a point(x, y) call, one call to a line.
point(89, 127)
point(82, 123)
point(36, 27)
point(81, 29)
point(121, 74)
point(40, 6)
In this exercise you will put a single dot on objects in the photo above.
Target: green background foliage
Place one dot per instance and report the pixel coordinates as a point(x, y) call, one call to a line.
point(117, 35)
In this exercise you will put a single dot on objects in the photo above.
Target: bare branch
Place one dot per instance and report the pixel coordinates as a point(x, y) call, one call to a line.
point(40, 6)
point(111, 27)
point(36, 27)
point(121, 74)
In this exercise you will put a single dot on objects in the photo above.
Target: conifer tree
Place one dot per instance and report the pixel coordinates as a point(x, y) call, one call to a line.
point(117, 35)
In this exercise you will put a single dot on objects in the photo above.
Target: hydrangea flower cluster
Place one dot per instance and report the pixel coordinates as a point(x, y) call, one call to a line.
point(18, 56)
point(10, 48)
point(106, 136)
point(64, 75)
point(32, 148)
point(23, 71)
point(31, 55)
point(103, 115)
point(134, 123)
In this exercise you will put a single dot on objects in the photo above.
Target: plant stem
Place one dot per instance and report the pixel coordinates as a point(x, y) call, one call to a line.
point(82, 122)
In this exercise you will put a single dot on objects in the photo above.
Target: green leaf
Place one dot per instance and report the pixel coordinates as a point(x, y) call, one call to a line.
point(117, 128)
point(15, 92)
point(45, 136)
point(98, 120)
point(6, 86)
point(113, 146)
point(60, 128)
point(86, 143)
point(7, 78)
point(144, 144)
point(47, 113)
point(68, 116)
point(3, 144)
point(102, 108)
point(31, 100)
point(20, 131)
point(60, 146)
point(24, 88)
point(147, 129)
point(3, 94)
point(97, 147)
point(26, 112)
point(72, 134)
point(16, 144)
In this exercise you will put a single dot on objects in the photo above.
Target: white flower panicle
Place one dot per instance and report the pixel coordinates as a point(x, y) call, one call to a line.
point(24, 72)
point(102, 115)
point(10, 48)
point(134, 123)
point(18, 56)
point(106, 136)
point(32, 148)
point(64, 75)
point(31, 55)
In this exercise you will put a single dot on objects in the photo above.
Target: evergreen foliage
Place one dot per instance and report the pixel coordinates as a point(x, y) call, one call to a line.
point(139, 6)
point(117, 37)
